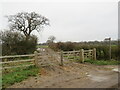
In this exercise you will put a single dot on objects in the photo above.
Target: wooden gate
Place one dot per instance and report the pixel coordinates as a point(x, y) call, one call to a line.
point(81, 55)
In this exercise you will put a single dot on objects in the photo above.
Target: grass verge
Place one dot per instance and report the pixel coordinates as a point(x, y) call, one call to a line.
point(96, 62)
point(103, 62)
point(18, 76)
point(42, 46)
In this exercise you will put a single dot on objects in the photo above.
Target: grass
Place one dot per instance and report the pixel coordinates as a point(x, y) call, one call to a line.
point(13, 75)
point(17, 64)
point(0, 79)
point(96, 62)
point(103, 62)
point(114, 45)
point(42, 46)
point(18, 75)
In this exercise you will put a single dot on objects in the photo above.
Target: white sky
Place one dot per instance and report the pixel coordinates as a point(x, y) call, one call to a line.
point(70, 20)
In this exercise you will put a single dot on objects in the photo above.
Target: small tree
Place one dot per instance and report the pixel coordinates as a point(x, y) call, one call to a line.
point(27, 22)
point(51, 39)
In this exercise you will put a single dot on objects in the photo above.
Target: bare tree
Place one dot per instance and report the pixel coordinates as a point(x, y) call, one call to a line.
point(27, 22)
point(51, 38)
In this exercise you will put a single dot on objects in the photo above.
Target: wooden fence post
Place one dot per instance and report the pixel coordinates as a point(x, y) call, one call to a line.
point(74, 54)
point(36, 58)
point(82, 55)
point(94, 54)
point(61, 58)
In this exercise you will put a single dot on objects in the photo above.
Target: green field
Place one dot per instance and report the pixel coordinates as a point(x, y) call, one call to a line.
point(18, 75)
point(103, 62)
point(42, 46)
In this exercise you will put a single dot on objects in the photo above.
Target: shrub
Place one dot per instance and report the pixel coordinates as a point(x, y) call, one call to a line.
point(16, 43)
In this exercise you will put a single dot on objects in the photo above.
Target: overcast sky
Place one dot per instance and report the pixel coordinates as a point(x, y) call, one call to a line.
point(70, 21)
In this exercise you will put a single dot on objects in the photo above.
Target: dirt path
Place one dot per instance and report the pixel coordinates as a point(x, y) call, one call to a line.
point(72, 75)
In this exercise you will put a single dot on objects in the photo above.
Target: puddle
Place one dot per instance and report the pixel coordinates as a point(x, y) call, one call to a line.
point(97, 78)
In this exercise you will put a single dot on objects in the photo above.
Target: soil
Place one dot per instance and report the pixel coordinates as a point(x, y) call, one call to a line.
point(71, 75)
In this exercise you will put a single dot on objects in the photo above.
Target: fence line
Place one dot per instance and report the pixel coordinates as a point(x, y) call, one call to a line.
point(81, 53)
point(28, 60)
point(34, 60)
point(15, 56)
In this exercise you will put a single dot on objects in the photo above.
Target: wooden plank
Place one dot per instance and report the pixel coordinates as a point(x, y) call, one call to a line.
point(17, 66)
point(58, 52)
point(28, 60)
point(15, 56)
point(71, 52)
point(86, 51)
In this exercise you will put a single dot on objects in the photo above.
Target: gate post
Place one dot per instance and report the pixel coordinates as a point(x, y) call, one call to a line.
point(36, 59)
point(94, 54)
point(82, 55)
point(61, 58)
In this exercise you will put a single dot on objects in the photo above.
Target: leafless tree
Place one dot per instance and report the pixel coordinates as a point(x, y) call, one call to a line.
point(27, 22)
point(51, 38)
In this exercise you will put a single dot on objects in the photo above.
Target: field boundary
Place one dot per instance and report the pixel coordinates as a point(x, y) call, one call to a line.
point(5, 61)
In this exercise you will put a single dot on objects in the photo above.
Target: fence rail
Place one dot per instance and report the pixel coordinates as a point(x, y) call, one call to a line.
point(15, 56)
point(34, 60)
point(81, 53)
point(70, 52)
point(17, 66)
point(28, 60)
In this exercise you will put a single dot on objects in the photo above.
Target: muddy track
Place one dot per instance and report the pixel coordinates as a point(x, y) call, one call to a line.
point(71, 75)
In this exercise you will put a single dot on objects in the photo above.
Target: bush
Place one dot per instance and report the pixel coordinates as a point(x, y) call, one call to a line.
point(68, 46)
point(16, 43)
